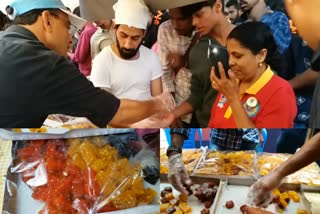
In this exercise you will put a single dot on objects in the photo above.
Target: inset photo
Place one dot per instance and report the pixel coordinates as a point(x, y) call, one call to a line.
point(117, 172)
point(224, 171)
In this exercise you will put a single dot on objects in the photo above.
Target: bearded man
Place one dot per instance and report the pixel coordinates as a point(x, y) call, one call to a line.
point(125, 68)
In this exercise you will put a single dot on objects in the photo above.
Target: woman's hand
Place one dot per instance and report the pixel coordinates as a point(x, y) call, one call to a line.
point(227, 86)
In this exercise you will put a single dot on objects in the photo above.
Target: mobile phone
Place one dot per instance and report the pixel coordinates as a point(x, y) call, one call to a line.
point(219, 54)
point(315, 62)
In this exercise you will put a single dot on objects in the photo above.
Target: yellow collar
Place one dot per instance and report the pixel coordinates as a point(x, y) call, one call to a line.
point(255, 88)
point(261, 82)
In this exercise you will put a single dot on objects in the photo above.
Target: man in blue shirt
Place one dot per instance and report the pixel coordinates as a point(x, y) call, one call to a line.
point(277, 21)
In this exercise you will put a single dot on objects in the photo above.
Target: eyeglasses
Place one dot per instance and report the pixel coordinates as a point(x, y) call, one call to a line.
point(72, 29)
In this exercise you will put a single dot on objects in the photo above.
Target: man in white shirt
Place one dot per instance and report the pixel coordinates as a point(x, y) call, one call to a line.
point(127, 69)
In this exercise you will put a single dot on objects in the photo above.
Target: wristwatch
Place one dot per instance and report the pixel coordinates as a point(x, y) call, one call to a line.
point(173, 149)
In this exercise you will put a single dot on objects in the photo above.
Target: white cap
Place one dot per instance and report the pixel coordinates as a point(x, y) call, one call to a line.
point(74, 19)
point(133, 13)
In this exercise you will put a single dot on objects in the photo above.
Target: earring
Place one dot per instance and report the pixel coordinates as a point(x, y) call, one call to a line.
point(260, 64)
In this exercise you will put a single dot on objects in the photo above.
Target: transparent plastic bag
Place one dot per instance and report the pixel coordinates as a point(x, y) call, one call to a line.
point(159, 120)
point(69, 122)
point(269, 161)
point(190, 158)
point(79, 176)
point(309, 175)
point(228, 163)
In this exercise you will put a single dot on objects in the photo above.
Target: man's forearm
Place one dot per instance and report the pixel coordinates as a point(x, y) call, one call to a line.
point(306, 79)
point(183, 109)
point(177, 140)
point(308, 153)
point(131, 111)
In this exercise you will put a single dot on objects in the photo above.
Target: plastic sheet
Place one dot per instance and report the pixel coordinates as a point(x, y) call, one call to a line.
point(309, 175)
point(228, 163)
point(269, 161)
point(85, 175)
point(190, 158)
point(69, 122)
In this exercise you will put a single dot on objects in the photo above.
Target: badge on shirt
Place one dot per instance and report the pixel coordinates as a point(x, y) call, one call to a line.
point(252, 106)
point(222, 101)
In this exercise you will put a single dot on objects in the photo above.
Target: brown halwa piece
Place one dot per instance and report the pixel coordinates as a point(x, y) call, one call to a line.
point(170, 210)
point(164, 200)
point(276, 199)
point(229, 204)
point(163, 193)
point(183, 197)
point(168, 189)
point(208, 204)
point(188, 187)
point(205, 211)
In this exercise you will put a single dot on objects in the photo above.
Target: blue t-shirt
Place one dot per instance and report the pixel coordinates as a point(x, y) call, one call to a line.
point(299, 56)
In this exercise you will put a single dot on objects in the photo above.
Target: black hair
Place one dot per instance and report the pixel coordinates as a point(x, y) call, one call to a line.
point(76, 11)
point(257, 36)
point(234, 3)
point(31, 16)
point(187, 11)
point(4, 21)
point(277, 5)
point(208, 3)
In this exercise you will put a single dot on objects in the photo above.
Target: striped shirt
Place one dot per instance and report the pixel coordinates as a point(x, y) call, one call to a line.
point(171, 42)
point(231, 139)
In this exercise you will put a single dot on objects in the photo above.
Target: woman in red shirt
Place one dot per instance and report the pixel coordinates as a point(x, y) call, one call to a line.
point(252, 96)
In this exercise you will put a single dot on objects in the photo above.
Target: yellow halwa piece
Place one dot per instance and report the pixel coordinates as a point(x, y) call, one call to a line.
point(78, 161)
point(276, 192)
point(178, 211)
point(283, 203)
point(185, 207)
point(284, 196)
point(124, 201)
point(300, 211)
point(99, 164)
point(73, 146)
point(164, 207)
point(294, 196)
point(88, 152)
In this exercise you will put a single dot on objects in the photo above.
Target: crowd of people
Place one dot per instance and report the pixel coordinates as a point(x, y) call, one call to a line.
point(227, 64)
point(243, 65)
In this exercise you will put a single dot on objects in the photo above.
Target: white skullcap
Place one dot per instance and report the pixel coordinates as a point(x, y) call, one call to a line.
point(133, 13)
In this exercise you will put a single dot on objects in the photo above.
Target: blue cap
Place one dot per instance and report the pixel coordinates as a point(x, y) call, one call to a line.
point(21, 7)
